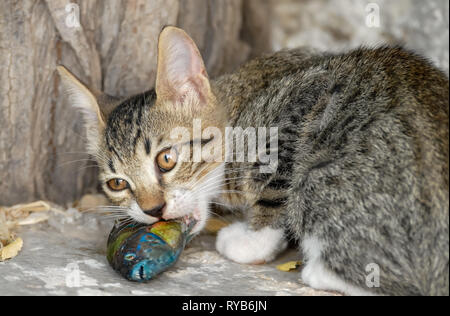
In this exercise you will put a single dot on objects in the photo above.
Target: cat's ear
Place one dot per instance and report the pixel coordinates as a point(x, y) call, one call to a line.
point(95, 105)
point(181, 72)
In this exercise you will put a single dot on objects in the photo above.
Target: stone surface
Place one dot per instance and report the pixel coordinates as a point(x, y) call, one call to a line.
point(66, 256)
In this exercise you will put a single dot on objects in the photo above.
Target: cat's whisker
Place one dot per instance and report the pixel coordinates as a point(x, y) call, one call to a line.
point(210, 181)
point(114, 217)
point(206, 190)
point(109, 216)
point(86, 167)
point(223, 182)
point(106, 209)
point(218, 215)
point(107, 213)
point(74, 161)
point(236, 191)
point(240, 169)
point(126, 223)
point(220, 176)
point(197, 179)
point(74, 153)
point(225, 173)
point(98, 156)
point(111, 206)
point(221, 204)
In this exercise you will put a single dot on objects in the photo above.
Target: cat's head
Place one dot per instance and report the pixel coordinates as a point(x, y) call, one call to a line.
point(144, 145)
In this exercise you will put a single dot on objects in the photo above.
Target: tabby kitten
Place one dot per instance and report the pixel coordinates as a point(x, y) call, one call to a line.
point(363, 154)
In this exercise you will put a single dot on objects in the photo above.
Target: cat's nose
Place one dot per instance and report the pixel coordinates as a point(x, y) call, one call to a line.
point(156, 211)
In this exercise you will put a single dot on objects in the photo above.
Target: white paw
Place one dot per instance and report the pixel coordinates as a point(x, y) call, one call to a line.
point(317, 276)
point(239, 243)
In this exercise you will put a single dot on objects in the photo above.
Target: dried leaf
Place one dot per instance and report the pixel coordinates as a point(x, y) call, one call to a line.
point(21, 214)
point(38, 206)
point(33, 218)
point(11, 250)
point(289, 266)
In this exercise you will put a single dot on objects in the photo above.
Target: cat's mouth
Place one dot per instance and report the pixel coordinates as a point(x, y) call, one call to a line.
point(193, 222)
point(189, 220)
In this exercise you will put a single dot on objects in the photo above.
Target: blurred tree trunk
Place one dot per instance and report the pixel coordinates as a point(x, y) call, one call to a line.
point(113, 48)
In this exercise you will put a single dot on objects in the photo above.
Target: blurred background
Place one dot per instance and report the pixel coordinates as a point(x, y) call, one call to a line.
point(111, 45)
point(336, 25)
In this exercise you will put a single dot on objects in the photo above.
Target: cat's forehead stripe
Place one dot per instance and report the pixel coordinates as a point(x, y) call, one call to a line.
point(136, 138)
point(111, 166)
point(124, 129)
point(147, 145)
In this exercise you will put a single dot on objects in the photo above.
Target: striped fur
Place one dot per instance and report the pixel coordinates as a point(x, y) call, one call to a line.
point(362, 173)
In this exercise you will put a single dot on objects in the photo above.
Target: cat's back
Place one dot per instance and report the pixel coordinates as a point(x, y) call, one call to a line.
point(383, 126)
point(323, 95)
point(364, 132)
point(390, 90)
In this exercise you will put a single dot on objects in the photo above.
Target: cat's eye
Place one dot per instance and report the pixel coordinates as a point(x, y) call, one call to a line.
point(117, 184)
point(166, 160)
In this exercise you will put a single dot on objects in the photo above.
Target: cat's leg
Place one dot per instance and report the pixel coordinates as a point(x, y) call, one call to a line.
point(317, 275)
point(258, 240)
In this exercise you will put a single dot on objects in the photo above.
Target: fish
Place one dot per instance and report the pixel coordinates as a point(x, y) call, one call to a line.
point(140, 252)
